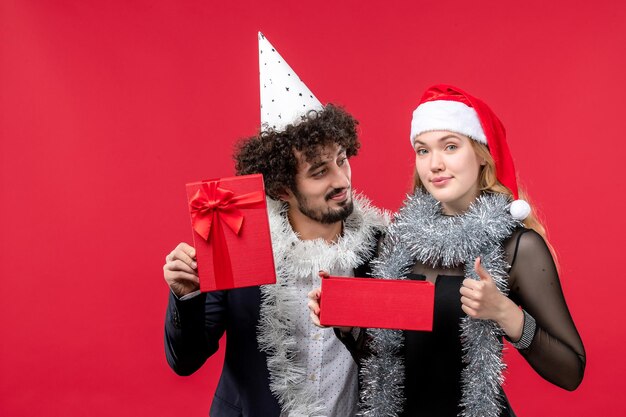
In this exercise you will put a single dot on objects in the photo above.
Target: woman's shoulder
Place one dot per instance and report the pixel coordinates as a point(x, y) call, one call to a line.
point(523, 243)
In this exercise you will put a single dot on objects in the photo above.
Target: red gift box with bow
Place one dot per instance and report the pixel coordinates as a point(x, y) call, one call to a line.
point(231, 232)
point(377, 303)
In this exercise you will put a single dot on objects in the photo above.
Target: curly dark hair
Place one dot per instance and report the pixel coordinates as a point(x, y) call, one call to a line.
point(271, 153)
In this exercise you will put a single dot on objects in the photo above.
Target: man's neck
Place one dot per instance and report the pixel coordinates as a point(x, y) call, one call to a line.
point(309, 229)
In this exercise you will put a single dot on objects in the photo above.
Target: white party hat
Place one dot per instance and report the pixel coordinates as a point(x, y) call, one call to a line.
point(285, 99)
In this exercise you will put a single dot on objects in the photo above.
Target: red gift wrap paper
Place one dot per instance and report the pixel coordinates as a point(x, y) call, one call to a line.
point(377, 303)
point(231, 232)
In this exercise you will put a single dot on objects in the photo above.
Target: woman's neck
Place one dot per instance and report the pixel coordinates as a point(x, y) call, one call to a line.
point(460, 205)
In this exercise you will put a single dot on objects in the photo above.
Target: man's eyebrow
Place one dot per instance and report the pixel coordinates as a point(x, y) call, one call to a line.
point(319, 163)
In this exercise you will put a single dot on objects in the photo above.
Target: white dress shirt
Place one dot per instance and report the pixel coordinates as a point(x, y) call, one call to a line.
point(332, 373)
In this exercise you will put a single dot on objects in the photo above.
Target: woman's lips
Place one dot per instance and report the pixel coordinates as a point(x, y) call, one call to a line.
point(440, 181)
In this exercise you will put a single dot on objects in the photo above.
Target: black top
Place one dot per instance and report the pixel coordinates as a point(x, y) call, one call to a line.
point(433, 359)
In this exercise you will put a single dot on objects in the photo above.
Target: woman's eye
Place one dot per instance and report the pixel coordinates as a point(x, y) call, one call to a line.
point(451, 147)
point(421, 152)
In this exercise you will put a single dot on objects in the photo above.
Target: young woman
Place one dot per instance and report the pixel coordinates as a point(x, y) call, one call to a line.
point(465, 230)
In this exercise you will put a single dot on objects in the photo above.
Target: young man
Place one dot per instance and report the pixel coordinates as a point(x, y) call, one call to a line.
point(277, 362)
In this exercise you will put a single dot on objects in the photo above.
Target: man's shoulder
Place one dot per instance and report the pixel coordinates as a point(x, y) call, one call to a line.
point(370, 215)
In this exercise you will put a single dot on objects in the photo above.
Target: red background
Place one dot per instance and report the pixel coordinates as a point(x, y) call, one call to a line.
point(107, 108)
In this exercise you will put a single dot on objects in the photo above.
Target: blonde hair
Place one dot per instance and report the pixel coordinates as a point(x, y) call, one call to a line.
point(488, 182)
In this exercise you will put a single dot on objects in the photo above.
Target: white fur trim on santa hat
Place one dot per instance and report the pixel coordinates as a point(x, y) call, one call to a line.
point(447, 115)
point(285, 99)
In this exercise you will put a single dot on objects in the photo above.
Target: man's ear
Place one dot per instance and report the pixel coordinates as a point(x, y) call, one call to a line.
point(284, 194)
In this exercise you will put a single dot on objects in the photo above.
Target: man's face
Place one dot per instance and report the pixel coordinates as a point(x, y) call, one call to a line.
point(323, 191)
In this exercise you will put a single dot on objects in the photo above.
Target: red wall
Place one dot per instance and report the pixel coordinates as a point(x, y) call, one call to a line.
point(107, 108)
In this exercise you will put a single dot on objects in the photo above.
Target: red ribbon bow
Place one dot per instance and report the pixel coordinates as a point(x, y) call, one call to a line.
point(210, 207)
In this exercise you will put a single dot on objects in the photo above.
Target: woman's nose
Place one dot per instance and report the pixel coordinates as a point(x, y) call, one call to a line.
point(436, 162)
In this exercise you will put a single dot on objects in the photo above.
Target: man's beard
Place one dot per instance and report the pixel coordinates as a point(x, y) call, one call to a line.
point(329, 215)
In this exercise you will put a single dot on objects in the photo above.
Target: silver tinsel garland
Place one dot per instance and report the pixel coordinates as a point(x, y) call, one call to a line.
point(420, 232)
point(281, 305)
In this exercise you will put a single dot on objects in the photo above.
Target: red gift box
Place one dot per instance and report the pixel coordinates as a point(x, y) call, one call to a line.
point(377, 303)
point(231, 232)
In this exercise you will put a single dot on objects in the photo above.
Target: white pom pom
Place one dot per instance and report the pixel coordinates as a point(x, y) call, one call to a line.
point(519, 209)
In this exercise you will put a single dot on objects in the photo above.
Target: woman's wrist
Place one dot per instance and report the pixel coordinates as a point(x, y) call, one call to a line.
point(511, 319)
point(528, 332)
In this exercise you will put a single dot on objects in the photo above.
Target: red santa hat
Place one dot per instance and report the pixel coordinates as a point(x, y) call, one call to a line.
point(444, 107)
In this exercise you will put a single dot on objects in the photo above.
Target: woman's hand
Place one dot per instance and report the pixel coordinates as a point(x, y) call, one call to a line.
point(481, 299)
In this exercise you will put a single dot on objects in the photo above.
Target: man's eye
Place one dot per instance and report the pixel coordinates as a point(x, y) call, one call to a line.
point(320, 173)
point(341, 161)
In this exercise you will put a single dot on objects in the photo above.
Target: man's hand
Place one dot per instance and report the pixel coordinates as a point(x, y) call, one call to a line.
point(314, 306)
point(180, 271)
point(315, 298)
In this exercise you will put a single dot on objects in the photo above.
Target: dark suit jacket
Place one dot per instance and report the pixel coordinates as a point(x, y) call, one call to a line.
point(192, 332)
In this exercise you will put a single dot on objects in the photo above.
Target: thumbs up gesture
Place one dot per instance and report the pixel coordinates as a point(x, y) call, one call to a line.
point(481, 298)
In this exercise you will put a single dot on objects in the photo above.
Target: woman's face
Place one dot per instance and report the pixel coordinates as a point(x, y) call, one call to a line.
point(448, 167)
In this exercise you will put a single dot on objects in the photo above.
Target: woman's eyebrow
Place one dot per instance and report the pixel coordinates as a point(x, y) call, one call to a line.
point(440, 139)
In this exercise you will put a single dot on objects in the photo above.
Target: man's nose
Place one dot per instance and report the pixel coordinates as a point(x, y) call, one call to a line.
point(340, 179)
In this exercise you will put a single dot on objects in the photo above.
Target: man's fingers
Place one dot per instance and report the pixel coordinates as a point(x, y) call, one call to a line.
point(178, 265)
point(324, 274)
point(316, 321)
point(187, 249)
point(182, 251)
point(315, 294)
point(180, 276)
point(179, 254)
point(314, 306)
point(183, 266)
point(186, 258)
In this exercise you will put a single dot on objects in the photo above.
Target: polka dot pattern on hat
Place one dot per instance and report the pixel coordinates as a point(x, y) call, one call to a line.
point(285, 99)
